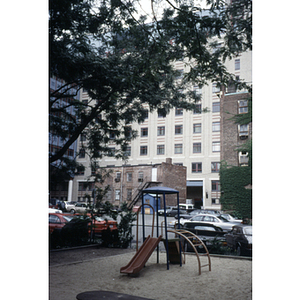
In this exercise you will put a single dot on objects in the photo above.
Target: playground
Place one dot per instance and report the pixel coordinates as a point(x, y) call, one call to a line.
point(148, 274)
point(228, 279)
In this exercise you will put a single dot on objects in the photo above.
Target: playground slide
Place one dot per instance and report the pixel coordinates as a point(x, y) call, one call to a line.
point(141, 256)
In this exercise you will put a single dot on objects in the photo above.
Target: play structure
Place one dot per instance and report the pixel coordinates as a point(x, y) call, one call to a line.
point(174, 251)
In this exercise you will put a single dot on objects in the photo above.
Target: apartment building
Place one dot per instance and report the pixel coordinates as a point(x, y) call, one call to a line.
point(60, 184)
point(233, 135)
point(189, 138)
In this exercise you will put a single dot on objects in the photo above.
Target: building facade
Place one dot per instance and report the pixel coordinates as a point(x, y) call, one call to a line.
point(60, 185)
point(192, 139)
point(233, 135)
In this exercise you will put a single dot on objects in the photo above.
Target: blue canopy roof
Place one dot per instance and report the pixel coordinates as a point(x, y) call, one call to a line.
point(160, 190)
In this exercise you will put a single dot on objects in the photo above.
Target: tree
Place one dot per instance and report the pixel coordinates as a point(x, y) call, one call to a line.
point(124, 63)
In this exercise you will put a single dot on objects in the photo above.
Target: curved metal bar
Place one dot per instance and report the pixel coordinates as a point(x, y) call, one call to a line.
point(180, 232)
point(137, 223)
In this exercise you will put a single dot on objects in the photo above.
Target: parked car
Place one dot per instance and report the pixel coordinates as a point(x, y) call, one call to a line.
point(174, 211)
point(208, 233)
point(81, 207)
point(54, 210)
point(206, 218)
point(231, 218)
point(162, 211)
point(101, 223)
point(187, 207)
point(70, 206)
point(240, 239)
point(58, 221)
point(198, 212)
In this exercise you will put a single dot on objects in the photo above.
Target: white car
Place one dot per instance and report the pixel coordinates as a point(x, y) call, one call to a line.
point(205, 218)
point(55, 211)
point(70, 206)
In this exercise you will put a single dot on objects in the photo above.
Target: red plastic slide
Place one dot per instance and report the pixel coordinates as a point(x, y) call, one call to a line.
point(141, 256)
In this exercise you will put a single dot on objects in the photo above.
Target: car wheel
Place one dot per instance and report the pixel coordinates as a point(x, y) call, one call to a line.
point(72, 211)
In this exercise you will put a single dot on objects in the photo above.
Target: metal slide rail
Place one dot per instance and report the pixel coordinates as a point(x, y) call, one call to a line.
point(187, 235)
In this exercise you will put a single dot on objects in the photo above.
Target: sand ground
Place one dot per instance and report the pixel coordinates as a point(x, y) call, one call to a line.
point(94, 269)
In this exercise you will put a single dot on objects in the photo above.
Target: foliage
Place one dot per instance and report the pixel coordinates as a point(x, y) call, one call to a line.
point(126, 64)
point(125, 226)
point(235, 197)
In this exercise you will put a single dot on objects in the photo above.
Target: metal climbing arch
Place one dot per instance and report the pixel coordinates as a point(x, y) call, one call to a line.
point(188, 236)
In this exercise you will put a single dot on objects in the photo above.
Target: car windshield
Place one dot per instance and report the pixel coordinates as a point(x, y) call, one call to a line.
point(67, 218)
point(248, 230)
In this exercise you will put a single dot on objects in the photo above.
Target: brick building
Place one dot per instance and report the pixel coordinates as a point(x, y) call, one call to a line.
point(127, 181)
point(234, 135)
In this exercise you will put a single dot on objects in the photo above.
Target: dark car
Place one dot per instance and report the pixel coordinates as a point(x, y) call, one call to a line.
point(208, 233)
point(239, 239)
point(162, 211)
point(173, 212)
point(190, 214)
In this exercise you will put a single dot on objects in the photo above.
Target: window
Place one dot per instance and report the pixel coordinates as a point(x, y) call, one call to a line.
point(83, 137)
point(129, 194)
point(197, 90)
point(112, 135)
point(161, 130)
point(243, 158)
point(141, 176)
point(178, 149)
point(54, 219)
point(128, 151)
point(129, 176)
point(143, 150)
point(160, 149)
point(216, 107)
point(82, 153)
point(237, 64)
point(180, 75)
point(215, 88)
point(144, 132)
point(178, 111)
point(215, 201)
point(128, 131)
point(160, 114)
point(216, 147)
point(243, 106)
point(196, 167)
point(197, 128)
point(197, 148)
point(215, 186)
point(215, 167)
point(117, 195)
point(86, 186)
point(80, 170)
point(197, 110)
point(243, 130)
point(118, 176)
point(215, 126)
point(178, 129)
point(111, 151)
